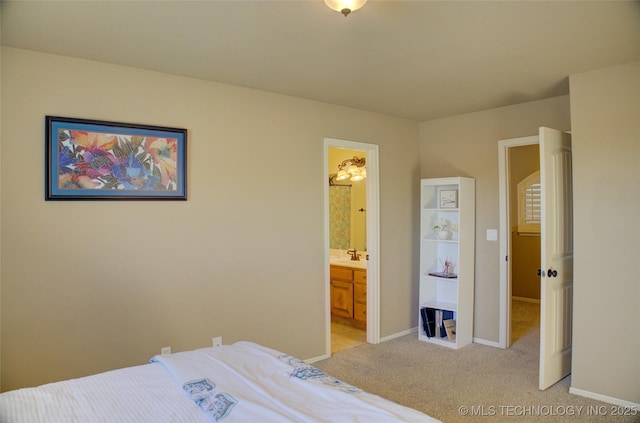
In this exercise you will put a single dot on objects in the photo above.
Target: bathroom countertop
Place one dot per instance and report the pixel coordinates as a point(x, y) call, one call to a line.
point(347, 262)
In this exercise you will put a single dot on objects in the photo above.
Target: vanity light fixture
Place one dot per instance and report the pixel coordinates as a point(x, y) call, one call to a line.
point(355, 169)
point(345, 6)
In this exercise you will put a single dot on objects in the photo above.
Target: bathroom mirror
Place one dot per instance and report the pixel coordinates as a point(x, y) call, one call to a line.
point(347, 205)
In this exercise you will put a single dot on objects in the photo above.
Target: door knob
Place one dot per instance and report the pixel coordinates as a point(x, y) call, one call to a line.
point(539, 272)
point(551, 273)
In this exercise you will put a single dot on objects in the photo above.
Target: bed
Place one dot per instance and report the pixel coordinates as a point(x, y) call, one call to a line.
point(243, 382)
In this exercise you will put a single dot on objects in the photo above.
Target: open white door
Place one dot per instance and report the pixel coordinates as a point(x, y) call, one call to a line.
point(556, 275)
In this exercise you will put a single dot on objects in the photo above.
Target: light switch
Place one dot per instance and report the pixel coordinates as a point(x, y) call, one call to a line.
point(492, 234)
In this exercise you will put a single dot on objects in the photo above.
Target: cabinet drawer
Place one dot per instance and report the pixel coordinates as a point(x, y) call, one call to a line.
point(343, 273)
point(360, 312)
point(360, 293)
point(360, 276)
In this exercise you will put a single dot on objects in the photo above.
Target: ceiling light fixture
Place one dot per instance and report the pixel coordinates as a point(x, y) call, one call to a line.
point(345, 6)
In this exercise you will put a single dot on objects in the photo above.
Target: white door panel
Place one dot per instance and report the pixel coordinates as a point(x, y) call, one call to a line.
point(556, 306)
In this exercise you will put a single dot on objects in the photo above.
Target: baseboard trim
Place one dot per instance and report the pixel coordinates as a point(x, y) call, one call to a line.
point(415, 329)
point(604, 398)
point(399, 334)
point(319, 358)
point(526, 300)
point(486, 342)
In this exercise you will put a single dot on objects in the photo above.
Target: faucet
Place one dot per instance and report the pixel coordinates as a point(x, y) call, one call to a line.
point(354, 254)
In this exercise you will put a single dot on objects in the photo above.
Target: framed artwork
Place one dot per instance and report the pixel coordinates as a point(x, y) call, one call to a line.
point(449, 199)
point(98, 160)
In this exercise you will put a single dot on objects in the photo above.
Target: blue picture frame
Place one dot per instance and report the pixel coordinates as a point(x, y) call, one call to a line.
point(100, 160)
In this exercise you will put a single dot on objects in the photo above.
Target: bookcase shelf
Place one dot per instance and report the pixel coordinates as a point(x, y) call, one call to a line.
point(447, 233)
point(445, 241)
point(440, 306)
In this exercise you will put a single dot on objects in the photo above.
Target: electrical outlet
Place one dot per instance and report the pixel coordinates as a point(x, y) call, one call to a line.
point(217, 341)
point(165, 350)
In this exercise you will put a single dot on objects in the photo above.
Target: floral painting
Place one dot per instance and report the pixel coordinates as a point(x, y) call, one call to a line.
point(104, 160)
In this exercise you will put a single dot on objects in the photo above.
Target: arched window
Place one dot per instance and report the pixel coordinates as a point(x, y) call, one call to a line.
point(529, 198)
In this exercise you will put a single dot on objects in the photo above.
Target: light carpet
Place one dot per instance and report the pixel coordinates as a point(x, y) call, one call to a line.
point(474, 383)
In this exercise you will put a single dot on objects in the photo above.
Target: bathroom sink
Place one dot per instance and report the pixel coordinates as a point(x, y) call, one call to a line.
point(346, 261)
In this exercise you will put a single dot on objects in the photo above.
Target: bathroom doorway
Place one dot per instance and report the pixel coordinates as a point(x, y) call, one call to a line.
point(347, 247)
point(351, 231)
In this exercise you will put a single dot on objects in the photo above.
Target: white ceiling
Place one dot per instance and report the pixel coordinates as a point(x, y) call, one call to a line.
point(413, 59)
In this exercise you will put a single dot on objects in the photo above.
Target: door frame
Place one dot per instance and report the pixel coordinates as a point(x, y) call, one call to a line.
point(373, 237)
point(504, 340)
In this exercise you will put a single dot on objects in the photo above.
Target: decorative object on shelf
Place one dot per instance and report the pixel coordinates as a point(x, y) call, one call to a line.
point(345, 6)
point(447, 266)
point(447, 269)
point(443, 229)
point(441, 317)
point(353, 169)
point(428, 321)
point(449, 199)
point(99, 160)
point(444, 234)
point(450, 327)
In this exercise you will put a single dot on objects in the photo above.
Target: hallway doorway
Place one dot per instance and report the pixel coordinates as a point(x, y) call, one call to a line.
point(518, 158)
point(545, 200)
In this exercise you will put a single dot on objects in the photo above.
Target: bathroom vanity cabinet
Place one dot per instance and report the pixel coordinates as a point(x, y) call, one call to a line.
point(447, 261)
point(349, 295)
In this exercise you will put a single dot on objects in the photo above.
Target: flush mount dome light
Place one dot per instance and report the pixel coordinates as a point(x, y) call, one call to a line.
point(345, 6)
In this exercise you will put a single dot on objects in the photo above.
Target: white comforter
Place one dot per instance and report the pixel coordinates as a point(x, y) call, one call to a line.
point(243, 382)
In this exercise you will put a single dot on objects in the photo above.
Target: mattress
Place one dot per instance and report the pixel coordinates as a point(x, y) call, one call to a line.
point(243, 382)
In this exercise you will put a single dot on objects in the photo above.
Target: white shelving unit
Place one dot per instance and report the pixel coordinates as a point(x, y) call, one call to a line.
point(450, 202)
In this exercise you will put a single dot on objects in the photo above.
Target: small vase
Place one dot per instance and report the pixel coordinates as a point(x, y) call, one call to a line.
point(444, 234)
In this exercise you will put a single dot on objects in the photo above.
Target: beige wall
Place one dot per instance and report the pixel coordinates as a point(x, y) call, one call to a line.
point(525, 248)
point(525, 261)
point(606, 154)
point(467, 145)
point(90, 286)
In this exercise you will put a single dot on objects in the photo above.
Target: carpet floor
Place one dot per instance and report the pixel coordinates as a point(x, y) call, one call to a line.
point(474, 383)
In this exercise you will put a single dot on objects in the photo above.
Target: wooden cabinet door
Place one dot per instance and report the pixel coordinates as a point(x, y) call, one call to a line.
point(360, 312)
point(342, 299)
point(360, 293)
point(360, 298)
point(360, 276)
